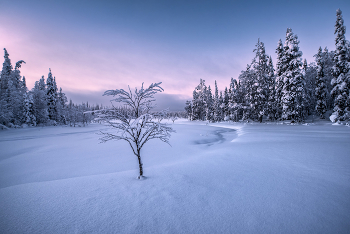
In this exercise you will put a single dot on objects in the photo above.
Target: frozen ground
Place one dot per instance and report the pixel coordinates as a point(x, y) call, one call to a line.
point(216, 178)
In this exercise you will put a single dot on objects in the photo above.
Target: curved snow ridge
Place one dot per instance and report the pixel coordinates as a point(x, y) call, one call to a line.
point(238, 128)
point(66, 180)
point(33, 137)
point(218, 137)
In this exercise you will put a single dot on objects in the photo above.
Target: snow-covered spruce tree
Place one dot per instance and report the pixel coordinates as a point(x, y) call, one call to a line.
point(280, 68)
point(72, 113)
point(40, 101)
point(197, 106)
point(309, 74)
point(240, 92)
point(308, 92)
point(216, 105)
point(62, 107)
point(225, 105)
point(28, 113)
point(271, 92)
point(293, 93)
point(52, 97)
point(188, 109)
point(233, 107)
point(137, 125)
point(259, 89)
point(209, 113)
point(340, 81)
point(6, 73)
point(20, 89)
point(248, 80)
point(327, 58)
point(6, 113)
point(24, 85)
point(200, 100)
point(12, 88)
point(254, 81)
point(321, 89)
point(221, 106)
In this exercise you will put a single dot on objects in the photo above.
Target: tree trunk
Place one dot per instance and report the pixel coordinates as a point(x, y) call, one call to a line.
point(140, 165)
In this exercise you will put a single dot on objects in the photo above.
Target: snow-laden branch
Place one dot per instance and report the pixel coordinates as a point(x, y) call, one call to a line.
point(140, 101)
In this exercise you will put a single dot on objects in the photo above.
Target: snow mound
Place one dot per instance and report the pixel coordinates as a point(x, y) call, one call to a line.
point(333, 117)
point(274, 179)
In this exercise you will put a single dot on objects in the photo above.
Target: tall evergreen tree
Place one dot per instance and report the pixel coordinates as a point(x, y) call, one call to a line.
point(221, 107)
point(18, 94)
point(72, 113)
point(233, 100)
point(40, 101)
point(271, 107)
point(327, 58)
point(259, 89)
point(199, 102)
point(6, 72)
point(6, 113)
point(61, 107)
point(240, 93)
point(210, 105)
point(28, 113)
point(293, 88)
point(340, 81)
point(248, 80)
point(280, 68)
point(321, 89)
point(225, 104)
point(309, 74)
point(216, 105)
point(11, 92)
point(188, 109)
point(52, 97)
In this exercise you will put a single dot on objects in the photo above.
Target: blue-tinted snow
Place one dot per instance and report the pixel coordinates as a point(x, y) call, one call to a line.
point(253, 178)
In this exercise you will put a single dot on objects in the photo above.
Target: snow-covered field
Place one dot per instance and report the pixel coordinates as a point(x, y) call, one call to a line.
point(216, 178)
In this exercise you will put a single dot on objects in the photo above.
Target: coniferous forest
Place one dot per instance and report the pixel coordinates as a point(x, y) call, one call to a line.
point(42, 105)
point(292, 90)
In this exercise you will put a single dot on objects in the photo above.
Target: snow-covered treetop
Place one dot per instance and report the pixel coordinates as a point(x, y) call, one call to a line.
point(19, 64)
point(7, 67)
point(139, 100)
point(340, 28)
point(291, 44)
point(259, 63)
point(341, 65)
point(6, 56)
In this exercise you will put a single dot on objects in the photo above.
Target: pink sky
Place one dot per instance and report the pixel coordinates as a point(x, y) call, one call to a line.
point(94, 47)
point(80, 65)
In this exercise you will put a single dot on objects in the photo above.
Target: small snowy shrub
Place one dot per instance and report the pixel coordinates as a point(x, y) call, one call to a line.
point(135, 123)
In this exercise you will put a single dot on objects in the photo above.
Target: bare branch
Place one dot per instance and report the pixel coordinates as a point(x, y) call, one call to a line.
point(134, 123)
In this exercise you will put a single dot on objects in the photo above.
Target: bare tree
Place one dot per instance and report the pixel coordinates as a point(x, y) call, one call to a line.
point(134, 122)
point(173, 118)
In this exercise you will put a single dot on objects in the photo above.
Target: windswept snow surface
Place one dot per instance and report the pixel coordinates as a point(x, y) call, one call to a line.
point(216, 178)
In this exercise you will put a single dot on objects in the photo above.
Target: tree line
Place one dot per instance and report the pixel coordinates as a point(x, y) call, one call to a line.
point(43, 105)
point(292, 90)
